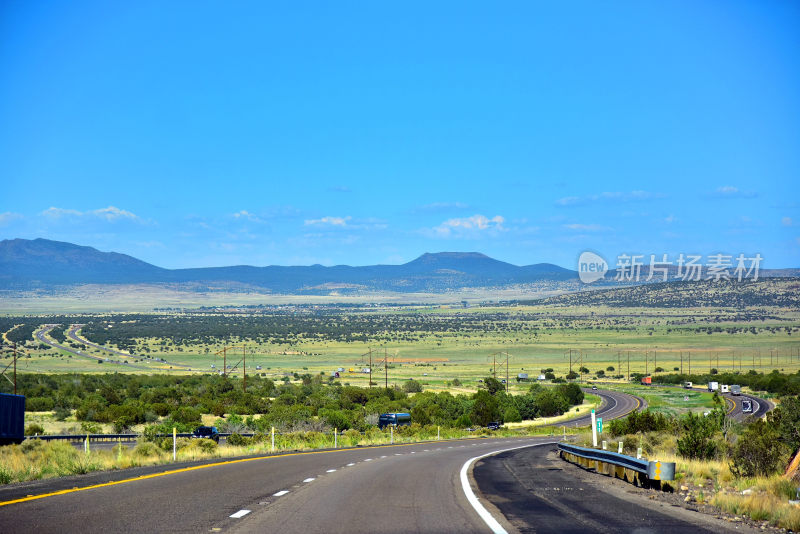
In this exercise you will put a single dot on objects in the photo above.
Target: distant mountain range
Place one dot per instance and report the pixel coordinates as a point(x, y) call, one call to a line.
point(42, 264)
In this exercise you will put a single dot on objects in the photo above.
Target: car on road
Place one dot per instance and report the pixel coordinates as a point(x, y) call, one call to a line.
point(207, 432)
point(494, 425)
point(594, 388)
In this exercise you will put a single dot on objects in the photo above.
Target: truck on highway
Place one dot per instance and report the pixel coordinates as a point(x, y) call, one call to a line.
point(723, 388)
point(687, 385)
point(12, 418)
point(736, 389)
point(394, 419)
point(647, 380)
point(713, 386)
point(747, 406)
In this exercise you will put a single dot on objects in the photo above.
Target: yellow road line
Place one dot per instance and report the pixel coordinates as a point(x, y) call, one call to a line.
point(198, 467)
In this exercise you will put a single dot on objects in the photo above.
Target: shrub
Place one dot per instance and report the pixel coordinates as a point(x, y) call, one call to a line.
point(237, 440)
point(695, 442)
point(34, 428)
point(463, 421)
point(206, 445)
point(758, 451)
point(512, 415)
point(30, 445)
point(456, 382)
point(145, 449)
point(412, 386)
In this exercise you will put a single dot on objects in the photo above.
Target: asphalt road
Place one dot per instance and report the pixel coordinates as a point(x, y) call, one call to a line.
point(41, 335)
point(760, 406)
point(72, 333)
point(614, 405)
point(536, 491)
point(400, 488)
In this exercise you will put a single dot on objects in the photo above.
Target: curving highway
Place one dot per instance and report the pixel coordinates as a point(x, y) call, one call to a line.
point(759, 406)
point(396, 488)
point(613, 406)
point(73, 334)
point(41, 336)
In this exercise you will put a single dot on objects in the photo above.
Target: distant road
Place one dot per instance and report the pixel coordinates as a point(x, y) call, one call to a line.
point(613, 406)
point(41, 335)
point(73, 334)
point(760, 406)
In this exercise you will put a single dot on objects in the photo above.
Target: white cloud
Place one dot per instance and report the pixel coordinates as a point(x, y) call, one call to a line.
point(610, 196)
point(669, 219)
point(787, 221)
point(111, 213)
point(328, 221)
point(57, 213)
point(730, 191)
point(246, 215)
point(8, 217)
point(473, 225)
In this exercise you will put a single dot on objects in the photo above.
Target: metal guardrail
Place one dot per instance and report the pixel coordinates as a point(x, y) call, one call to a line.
point(616, 463)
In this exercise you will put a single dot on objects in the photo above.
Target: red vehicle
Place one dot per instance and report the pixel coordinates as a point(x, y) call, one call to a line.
point(647, 380)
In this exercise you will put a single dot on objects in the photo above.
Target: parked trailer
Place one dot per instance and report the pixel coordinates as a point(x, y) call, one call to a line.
point(736, 389)
point(12, 418)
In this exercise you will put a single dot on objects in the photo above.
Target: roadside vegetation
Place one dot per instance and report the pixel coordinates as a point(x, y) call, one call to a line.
point(738, 468)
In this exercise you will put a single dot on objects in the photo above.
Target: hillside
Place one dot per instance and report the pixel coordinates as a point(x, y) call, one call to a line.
point(42, 264)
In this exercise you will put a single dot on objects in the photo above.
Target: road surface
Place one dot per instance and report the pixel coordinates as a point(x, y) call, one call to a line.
point(399, 488)
point(614, 405)
point(536, 491)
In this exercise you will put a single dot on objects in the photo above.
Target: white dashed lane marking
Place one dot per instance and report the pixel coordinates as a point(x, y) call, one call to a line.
point(330, 471)
point(280, 493)
point(240, 514)
point(311, 479)
point(350, 465)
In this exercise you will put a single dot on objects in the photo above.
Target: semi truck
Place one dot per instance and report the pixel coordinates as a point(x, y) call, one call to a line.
point(736, 389)
point(723, 388)
point(687, 385)
point(647, 380)
point(12, 418)
point(713, 386)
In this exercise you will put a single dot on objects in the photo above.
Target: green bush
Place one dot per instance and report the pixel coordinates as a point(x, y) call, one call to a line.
point(145, 449)
point(412, 386)
point(758, 451)
point(512, 415)
point(696, 441)
point(237, 440)
point(206, 445)
point(34, 428)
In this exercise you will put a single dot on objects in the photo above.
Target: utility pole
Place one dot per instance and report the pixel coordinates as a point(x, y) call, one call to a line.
point(690, 363)
point(507, 357)
point(646, 361)
point(629, 366)
point(681, 363)
point(370, 368)
point(15, 368)
point(244, 367)
point(655, 361)
point(570, 361)
point(386, 368)
point(619, 363)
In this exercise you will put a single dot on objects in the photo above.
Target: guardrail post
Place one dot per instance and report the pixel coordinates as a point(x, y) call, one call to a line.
point(639, 453)
point(604, 445)
point(619, 450)
point(437, 434)
point(335, 438)
point(174, 443)
point(273, 439)
point(119, 449)
point(594, 429)
point(86, 445)
point(391, 433)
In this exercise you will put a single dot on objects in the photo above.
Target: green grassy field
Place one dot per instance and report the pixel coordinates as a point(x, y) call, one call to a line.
point(616, 341)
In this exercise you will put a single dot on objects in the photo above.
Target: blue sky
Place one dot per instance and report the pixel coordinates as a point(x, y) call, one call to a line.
point(200, 134)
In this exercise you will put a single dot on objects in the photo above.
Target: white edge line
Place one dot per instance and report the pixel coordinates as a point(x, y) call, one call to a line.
point(280, 493)
point(310, 479)
point(490, 521)
point(240, 514)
